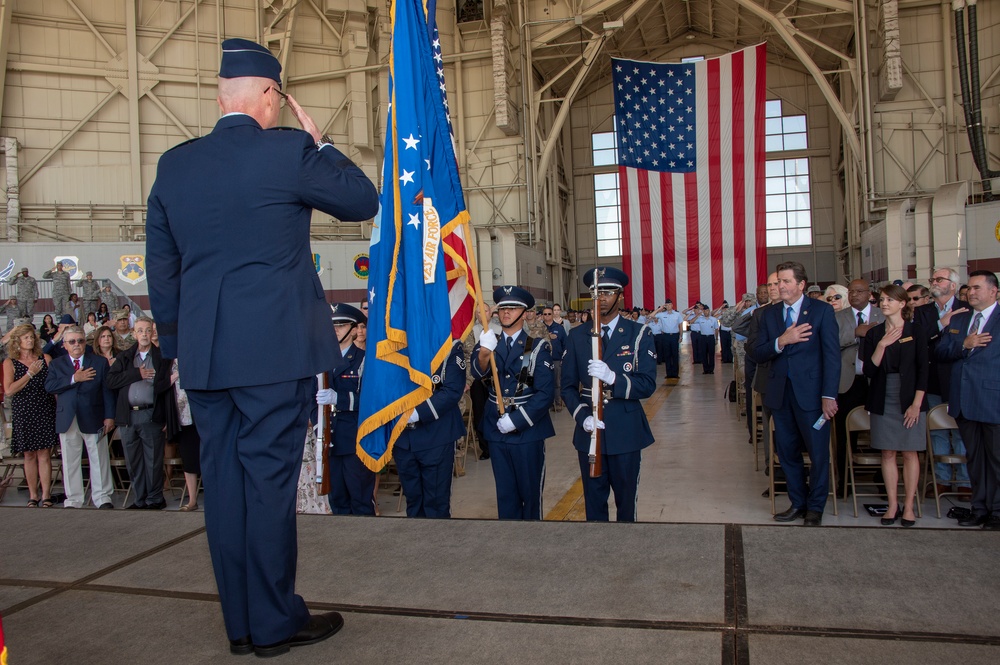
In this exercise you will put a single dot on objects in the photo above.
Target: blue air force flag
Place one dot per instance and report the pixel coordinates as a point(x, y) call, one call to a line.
point(409, 324)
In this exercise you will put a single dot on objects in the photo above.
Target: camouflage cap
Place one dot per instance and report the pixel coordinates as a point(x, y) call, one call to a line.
point(120, 314)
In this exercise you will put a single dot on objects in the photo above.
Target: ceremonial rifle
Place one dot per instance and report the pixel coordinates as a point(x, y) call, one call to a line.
point(323, 437)
point(596, 388)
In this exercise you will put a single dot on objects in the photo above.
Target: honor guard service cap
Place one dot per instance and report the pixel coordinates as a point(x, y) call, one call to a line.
point(242, 57)
point(513, 296)
point(607, 278)
point(344, 313)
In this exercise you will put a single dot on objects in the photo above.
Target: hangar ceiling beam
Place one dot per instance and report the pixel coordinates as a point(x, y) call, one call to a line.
point(6, 8)
point(787, 32)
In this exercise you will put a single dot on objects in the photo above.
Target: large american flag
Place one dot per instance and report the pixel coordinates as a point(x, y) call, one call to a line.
point(691, 177)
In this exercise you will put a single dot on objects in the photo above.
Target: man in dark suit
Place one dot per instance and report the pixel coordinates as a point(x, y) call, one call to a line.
point(627, 371)
point(934, 318)
point(131, 377)
point(801, 340)
point(967, 342)
point(85, 411)
point(853, 324)
point(228, 233)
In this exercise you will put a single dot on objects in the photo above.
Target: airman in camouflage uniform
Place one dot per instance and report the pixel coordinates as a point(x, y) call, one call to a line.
point(10, 307)
point(90, 295)
point(109, 299)
point(27, 293)
point(60, 289)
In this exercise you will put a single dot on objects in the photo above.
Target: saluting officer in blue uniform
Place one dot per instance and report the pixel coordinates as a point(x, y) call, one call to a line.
point(517, 438)
point(627, 369)
point(227, 232)
point(352, 485)
point(425, 451)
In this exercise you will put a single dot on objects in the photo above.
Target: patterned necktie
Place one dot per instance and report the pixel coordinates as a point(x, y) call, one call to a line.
point(976, 321)
point(76, 364)
point(788, 317)
point(861, 347)
point(861, 319)
point(606, 337)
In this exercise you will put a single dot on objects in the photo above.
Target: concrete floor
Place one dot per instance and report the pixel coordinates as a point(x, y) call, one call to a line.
point(709, 577)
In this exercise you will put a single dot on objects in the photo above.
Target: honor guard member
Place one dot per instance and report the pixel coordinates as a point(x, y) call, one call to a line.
point(425, 451)
point(27, 293)
point(517, 438)
point(60, 288)
point(627, 369)
point(352, 484)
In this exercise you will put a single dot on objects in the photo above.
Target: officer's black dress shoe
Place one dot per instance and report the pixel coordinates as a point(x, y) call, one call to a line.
point(135, 506)
point(992, 523)
point(318, 628)
point(790, 515)
point(156, 506)
point(813, 518)
point(106, 506)
point(241, 647)
point(975, 520)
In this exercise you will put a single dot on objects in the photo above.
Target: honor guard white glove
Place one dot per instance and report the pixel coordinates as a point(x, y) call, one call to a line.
point(600, 370)
point(326, 396)
point(588, 424)
point(488, 340)
point(414, 417)
point(505, 424)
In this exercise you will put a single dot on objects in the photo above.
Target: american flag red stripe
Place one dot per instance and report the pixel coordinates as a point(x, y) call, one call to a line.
point(696, 233)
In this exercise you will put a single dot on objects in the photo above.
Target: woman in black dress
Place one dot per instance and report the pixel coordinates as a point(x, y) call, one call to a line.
point(896, 363)
point(103, 315)
point(172, 408)
point(33, 420)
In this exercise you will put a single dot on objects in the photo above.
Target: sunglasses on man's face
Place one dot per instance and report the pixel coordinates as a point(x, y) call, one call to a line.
point(73, 342)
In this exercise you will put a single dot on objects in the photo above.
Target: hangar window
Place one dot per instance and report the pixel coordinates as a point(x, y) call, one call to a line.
point(606, 208)
point(783, 132)
point(788, 211)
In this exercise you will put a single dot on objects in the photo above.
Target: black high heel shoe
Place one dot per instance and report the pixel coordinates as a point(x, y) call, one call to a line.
point(907, 523)
point(889, 521)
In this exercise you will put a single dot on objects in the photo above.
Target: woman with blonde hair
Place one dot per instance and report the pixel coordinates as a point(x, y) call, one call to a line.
point(33, 420)
point(836, 295)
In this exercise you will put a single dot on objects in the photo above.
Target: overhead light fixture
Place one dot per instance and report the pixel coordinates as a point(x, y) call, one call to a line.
point(614, 25)
point(689, 36)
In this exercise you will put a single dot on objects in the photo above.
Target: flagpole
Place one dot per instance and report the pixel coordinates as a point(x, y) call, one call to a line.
point(484, 319)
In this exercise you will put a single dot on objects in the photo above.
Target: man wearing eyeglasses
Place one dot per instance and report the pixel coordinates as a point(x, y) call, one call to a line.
point(227, 232)
point(85, 412)
point(853, 323)
point(934, 318)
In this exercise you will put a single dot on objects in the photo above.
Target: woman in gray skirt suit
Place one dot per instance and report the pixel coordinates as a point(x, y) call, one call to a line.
point(896, 363)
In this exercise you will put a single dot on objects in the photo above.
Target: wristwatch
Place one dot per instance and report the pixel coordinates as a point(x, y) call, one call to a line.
point(326, 139)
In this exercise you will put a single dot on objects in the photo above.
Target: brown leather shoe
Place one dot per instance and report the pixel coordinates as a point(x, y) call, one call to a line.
point(941, 489)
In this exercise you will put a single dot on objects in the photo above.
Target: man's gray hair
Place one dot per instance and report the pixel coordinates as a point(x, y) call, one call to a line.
point(73, 329)
point(952, 274)
point(144, 318)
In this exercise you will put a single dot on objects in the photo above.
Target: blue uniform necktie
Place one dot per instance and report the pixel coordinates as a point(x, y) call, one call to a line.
point(606, 337)
point(788, 317)
point(510, 343)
